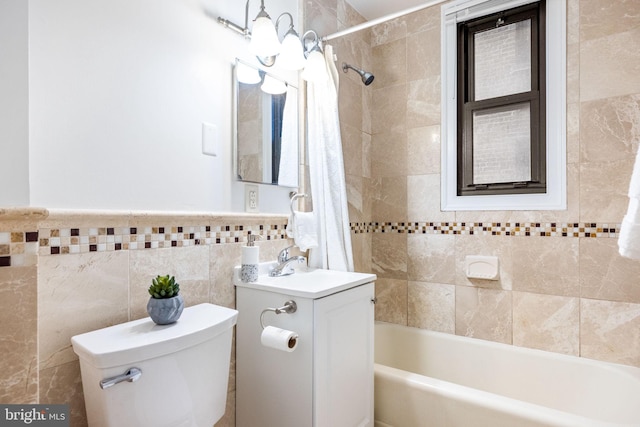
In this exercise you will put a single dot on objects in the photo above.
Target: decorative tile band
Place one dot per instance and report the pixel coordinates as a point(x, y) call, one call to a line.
point(18, 248)
point(549, 229)
point(23, 248)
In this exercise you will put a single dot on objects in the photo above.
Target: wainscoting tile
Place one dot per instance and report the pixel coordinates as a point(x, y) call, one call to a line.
point(610, 128)
point(605, 274)
point(424, 20)
point(388, 31)
point(432, 306)
point(76, 294)
point(421, 45)
point(610, 65)
point(221, 260)
point(389, 108)
point(424, 201)
point(603, 189)
point(389, 153)
point(609, 331)
point(389, 198)
point(389, 255)
point(189, 265)
point(599, 18)
point(391, 63)
point(391, 305)
point(423, 102)
point(431, 258)
point(484, 314)
point(537, 262)
point(63, 384)
point(423, 150)
point(18, 335)
point(546, 322)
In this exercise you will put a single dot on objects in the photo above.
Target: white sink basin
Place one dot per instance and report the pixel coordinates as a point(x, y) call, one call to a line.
point(305, 282)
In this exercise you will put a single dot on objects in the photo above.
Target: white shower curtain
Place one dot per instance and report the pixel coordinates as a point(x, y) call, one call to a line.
point(326, 171)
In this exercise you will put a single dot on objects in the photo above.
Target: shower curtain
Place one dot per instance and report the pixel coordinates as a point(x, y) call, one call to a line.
point(326, 171)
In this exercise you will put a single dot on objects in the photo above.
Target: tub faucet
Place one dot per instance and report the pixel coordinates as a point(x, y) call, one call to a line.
point(284, 263)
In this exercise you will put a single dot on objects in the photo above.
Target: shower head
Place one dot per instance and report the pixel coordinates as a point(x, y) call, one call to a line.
point(367, 77)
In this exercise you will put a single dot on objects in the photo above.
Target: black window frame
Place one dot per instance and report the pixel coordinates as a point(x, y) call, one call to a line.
point(467, 104)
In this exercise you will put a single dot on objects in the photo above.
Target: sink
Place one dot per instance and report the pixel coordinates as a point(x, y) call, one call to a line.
point(305, 282)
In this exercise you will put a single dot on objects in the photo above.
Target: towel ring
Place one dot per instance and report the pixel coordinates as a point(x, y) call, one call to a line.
point(295, 197)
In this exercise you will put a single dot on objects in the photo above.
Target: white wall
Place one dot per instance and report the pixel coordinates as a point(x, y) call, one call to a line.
point(14, 107)
point(118, 91)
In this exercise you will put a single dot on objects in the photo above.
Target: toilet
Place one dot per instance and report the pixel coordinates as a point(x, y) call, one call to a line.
point(140, 374)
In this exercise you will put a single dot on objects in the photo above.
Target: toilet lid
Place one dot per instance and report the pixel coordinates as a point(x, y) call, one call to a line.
point(142, 339)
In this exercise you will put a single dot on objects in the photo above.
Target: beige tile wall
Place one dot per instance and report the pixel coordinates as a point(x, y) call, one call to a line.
point(81, 280)
point(572, 295)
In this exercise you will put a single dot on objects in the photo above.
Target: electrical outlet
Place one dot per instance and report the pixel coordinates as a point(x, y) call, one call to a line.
point(251, 198)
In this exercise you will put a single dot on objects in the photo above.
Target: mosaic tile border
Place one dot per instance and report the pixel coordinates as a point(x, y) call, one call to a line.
point(549, 229)
point(23, 248)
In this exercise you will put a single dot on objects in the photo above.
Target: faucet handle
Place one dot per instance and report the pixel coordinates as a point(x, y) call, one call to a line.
point(284, 254)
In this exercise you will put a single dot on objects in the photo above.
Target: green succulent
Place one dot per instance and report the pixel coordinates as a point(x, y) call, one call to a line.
point(164, 287)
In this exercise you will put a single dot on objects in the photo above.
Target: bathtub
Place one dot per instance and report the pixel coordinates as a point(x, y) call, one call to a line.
point(432, 379)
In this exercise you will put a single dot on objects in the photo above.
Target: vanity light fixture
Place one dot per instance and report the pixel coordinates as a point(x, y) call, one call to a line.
point(292, 54)
point(264, 39)
point(265, 43)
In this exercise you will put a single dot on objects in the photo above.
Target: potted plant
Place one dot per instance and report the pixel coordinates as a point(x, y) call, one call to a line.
point(165, 305)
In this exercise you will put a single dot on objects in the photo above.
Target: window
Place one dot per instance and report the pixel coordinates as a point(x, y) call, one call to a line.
point(501, 143)
point(503, 88)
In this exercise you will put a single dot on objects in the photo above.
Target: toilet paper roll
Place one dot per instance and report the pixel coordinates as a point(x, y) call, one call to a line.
point(280, 339)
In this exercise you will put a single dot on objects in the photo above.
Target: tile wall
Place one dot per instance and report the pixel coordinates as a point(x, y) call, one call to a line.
point(568, 293)
point(66, 273)
point(563, 287)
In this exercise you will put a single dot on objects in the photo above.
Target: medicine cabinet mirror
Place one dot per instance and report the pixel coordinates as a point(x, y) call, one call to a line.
point(266, 127)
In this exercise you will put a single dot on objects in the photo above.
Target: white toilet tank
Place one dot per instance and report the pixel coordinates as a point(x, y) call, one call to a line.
point(184, 370)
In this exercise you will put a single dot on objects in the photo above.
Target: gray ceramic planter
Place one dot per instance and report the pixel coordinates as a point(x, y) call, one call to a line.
point(166, 310)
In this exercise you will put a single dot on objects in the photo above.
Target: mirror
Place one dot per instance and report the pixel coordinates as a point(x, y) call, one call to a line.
point(266, 127)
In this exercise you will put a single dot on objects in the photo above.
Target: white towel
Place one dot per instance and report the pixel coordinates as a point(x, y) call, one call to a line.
point(302, 229)
point(629, 239)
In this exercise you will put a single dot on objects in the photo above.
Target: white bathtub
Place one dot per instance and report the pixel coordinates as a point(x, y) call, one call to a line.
point(431, 379)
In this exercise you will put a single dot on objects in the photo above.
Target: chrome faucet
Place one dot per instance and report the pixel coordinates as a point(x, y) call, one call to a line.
point(284, 267)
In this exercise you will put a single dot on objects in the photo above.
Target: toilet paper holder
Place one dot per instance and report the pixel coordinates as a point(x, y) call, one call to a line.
point(288, 307)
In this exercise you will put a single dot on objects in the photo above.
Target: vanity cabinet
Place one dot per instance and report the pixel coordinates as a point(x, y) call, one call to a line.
point(327, 381)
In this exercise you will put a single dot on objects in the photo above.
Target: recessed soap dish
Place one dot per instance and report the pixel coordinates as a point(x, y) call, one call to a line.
point(481, 267)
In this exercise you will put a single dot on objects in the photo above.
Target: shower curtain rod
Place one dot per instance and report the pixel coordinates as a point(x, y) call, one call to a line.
point(380, 20)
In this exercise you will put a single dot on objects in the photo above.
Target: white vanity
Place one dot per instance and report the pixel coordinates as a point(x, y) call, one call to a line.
point(327, 380)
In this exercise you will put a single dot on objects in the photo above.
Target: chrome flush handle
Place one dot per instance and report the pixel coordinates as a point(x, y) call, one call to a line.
point(133, 374)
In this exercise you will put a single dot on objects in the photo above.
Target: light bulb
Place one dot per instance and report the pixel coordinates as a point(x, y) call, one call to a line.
point(264, 39)
point(291, 55)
